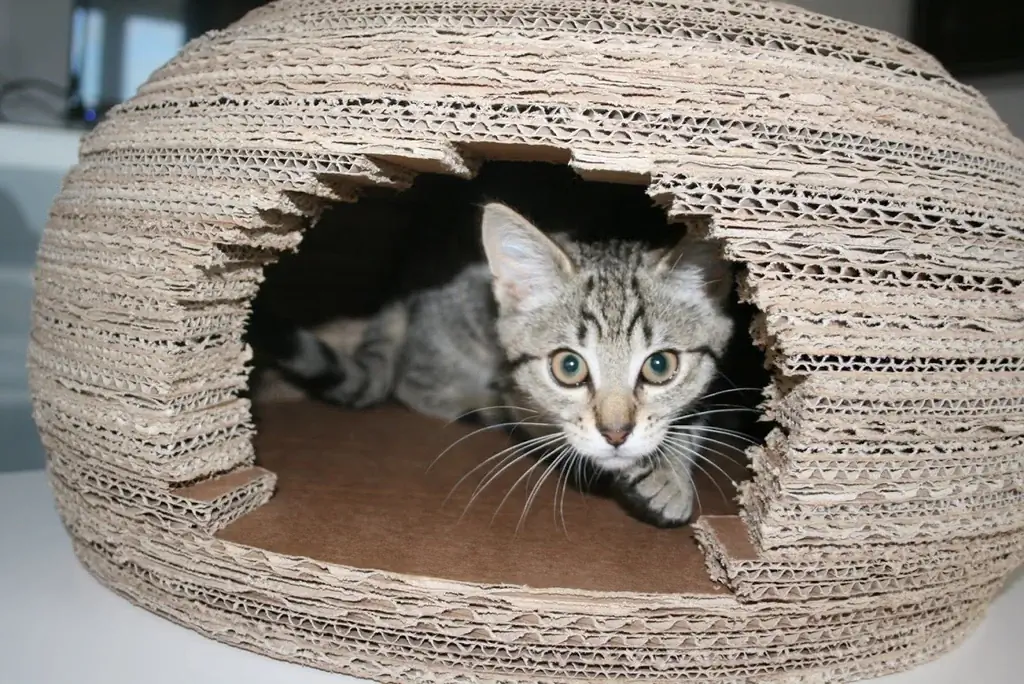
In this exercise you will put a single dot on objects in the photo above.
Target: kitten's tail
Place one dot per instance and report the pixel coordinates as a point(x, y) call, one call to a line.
point(364, 377)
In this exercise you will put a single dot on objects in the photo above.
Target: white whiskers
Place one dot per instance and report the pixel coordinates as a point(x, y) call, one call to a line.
point(517, 454)
point(555, 462)
point(485, 428)
point(529, 471)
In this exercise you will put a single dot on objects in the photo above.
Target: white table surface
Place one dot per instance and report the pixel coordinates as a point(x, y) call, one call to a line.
point(59, 626)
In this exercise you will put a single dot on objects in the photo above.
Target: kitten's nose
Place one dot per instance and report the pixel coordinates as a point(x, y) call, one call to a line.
point(616, 436)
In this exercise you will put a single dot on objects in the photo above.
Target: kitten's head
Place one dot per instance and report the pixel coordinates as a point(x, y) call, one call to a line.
point(611, 342)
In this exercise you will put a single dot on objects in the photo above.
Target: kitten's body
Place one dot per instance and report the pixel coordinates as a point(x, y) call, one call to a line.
point(483, 343)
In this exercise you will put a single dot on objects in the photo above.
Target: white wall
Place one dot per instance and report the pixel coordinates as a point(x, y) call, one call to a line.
point(34, 37)
point(33, 161)
point(34, 43)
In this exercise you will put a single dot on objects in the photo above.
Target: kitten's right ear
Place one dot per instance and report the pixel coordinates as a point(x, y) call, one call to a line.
point(526, 264)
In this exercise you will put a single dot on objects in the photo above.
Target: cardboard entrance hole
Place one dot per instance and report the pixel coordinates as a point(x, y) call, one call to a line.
point(354, 489)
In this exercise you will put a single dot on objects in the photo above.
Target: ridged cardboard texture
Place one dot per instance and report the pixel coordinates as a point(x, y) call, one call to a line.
point(877, 204)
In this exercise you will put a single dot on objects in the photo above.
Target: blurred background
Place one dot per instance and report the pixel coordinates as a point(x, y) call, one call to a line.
point(63, 63)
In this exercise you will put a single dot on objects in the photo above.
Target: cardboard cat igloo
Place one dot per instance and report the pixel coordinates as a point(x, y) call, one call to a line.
point(876, 205)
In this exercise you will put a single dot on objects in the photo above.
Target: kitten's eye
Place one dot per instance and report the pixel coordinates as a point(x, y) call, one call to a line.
point(569, 368)
point(660, 367)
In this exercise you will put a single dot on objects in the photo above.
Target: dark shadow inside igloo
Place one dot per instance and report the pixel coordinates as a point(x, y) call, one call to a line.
point(365, 488)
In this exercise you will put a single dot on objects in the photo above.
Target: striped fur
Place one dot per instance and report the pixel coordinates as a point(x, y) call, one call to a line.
point(357, 378)
point(486, 339)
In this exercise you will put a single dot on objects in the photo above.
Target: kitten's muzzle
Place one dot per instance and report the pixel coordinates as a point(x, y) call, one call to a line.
point(614, 416)
point(617, 435)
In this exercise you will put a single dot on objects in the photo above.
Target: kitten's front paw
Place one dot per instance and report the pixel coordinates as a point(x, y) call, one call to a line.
point(656, 495)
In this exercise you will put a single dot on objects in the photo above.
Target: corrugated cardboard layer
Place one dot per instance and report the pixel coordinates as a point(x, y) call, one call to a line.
point(832, 572)
point(877, 204)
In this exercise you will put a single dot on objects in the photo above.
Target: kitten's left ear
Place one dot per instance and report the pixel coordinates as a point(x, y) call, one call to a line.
point(695, 263)
point(527, 265)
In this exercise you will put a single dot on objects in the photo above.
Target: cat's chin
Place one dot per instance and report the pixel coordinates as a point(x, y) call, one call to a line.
point(614, 464)
point(616, 460)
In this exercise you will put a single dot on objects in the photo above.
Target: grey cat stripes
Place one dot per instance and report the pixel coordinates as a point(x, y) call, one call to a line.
point(490, 338)
point(360, 379)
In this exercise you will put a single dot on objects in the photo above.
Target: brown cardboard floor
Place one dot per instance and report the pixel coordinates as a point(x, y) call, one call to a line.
point(354, 489)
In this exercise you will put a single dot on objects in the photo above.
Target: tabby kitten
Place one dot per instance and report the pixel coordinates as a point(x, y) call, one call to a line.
point(607, 348)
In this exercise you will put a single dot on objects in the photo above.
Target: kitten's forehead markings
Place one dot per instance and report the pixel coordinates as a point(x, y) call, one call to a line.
point(581, 333)
point(638, 323)
point(591, 319)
